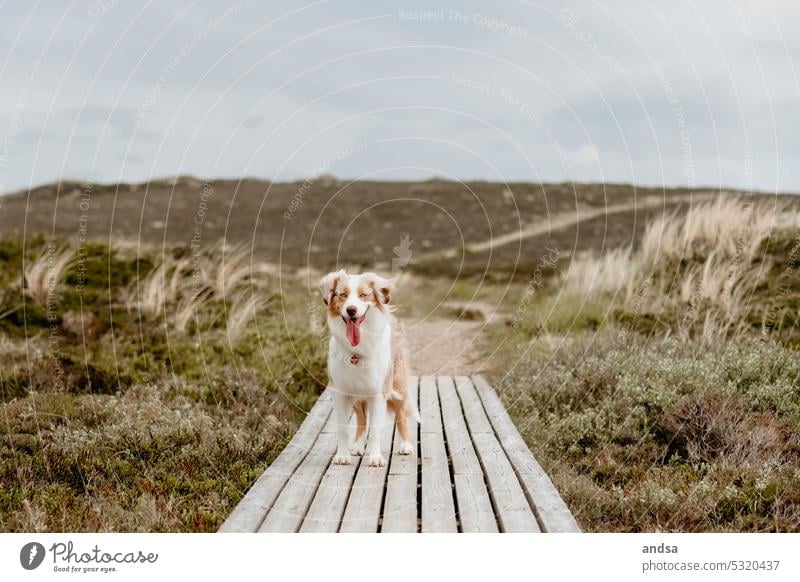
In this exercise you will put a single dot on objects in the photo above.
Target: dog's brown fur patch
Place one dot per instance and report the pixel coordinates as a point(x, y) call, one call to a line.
point(338, 296)
point(381, 293)
point(396, 381)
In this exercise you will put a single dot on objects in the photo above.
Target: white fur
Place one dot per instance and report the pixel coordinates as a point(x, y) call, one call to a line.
point(364, 380)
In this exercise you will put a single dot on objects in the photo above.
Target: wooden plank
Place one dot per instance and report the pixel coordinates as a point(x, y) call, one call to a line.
point(474, 506)
point(553, 513)
point(472, 497)
point(400, 506)
point(438, 508)
point(407, 464)
point(362, 514)
point(330, 499)
point(327, 508)
point(459, 442)
point(429, 405)
point(250, 512)
point(473, 407)
point(514, 513)
point(292, 505)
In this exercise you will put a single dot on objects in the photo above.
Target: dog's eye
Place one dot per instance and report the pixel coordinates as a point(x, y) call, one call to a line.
point(363, 294)
point(342, 295)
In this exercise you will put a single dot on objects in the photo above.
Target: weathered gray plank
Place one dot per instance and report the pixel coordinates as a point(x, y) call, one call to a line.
point(326, 510)
point(363, 510)
point(292, 505)
point(514, 513)
point(248, 515)
point(474, 507)
point(459, 442)
point(406, 464)
point(553, 513)
point(429, 405)
point(400, 506)
point(438, 508)
point(473, 407)
point(472, 498)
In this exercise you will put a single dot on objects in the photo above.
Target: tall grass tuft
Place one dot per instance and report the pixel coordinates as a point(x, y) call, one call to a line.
point(244, 308)
point(46, 273)
point(696, 272)
point(162, 286)
point(186, 290)
point(226, 271)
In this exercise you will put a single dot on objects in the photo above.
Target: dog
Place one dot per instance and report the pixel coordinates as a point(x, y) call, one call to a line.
point(367, 364)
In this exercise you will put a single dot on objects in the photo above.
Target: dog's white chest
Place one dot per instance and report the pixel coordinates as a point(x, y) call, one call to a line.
point(358, 374)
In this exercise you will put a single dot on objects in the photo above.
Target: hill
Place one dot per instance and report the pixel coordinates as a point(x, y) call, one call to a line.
point(322, 222)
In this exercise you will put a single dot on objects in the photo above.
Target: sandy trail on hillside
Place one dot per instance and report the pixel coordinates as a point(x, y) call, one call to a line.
point(448, 346)
point(560, 221)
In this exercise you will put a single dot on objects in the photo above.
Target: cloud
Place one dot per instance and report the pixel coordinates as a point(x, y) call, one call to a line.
point(272, 89)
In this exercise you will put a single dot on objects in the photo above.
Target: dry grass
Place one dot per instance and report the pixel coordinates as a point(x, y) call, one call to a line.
point(229, 270)
point(730, 226)
point(180, 288)
point(602, 275)
point(168, 284)
point(150, 292)
point(46, 273)
point(705, 265)
point(157, 430)
point(243, 308)
point(187, 311)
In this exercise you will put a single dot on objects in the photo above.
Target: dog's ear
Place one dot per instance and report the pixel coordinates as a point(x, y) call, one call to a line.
point(327, 285)
point(382, 287)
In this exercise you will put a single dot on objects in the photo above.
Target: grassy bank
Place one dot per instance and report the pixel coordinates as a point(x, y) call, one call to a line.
point(659, 386)
point(144, 393)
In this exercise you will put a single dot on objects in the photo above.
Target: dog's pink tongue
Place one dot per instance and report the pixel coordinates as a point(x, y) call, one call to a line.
point(354, 330)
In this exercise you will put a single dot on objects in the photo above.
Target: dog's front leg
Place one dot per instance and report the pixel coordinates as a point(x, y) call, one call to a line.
point(377, 419)
point(342, 405)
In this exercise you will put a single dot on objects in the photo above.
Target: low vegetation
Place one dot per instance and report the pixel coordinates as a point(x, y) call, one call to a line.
point(657, 383)
point(144, 393)
point(660, 386)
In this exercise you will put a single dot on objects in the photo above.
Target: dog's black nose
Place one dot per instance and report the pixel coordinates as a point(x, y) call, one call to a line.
point(351, 311)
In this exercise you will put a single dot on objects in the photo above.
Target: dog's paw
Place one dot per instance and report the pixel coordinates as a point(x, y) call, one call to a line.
point(341, 460)
point(357, 450)
point(376, 461)
point(405, 448)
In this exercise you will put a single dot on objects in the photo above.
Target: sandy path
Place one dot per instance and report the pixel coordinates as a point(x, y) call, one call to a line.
point(559, 221)
point(447, 346)
point(442, 346)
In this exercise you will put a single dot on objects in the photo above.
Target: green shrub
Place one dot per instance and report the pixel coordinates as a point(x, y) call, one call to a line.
point(118, 421)
point(665, 434)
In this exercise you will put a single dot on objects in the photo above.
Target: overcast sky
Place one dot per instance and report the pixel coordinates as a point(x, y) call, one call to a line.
point(677, 93)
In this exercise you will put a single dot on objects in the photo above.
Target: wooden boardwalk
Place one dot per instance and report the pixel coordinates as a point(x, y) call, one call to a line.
point(472, 473)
